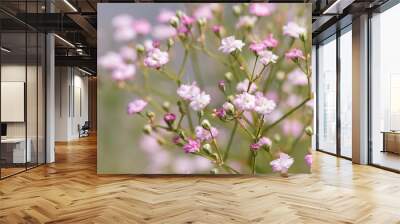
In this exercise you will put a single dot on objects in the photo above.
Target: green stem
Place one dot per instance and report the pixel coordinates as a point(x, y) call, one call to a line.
point(182, 68)
point(196, 68)
point(189, 117)
point(253, 165)
point(229, 169)
point(286, 115)
point(228, 148)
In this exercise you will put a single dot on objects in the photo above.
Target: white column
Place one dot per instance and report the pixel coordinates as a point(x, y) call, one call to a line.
point(360, 90)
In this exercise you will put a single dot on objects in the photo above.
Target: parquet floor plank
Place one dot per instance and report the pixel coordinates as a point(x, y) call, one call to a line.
point(70, 191)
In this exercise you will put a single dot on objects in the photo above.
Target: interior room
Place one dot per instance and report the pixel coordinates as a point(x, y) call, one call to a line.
point(91, 132)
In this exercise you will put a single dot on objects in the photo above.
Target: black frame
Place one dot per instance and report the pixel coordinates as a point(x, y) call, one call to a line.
point(43, 53)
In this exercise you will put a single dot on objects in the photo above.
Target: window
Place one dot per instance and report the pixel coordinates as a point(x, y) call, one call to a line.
point(385, 89)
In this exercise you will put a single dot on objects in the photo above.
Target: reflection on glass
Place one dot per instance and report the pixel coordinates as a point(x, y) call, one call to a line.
point(327, 96)
point(385, 89)
point(346, 94)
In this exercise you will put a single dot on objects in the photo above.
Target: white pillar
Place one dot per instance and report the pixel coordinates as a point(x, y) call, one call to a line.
point(360, 89)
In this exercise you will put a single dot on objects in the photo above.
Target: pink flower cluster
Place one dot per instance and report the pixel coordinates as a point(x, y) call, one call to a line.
point(282, 164)
point(261, 9)
point(136, 106)
point(258, 103)
point(191, 92)
point(126, 27)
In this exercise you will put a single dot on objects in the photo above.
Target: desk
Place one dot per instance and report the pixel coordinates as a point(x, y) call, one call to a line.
point(391, 141)
point(16, 147)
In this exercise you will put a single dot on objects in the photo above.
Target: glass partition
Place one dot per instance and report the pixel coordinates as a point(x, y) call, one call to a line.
point(22, 101)
point(327, 95)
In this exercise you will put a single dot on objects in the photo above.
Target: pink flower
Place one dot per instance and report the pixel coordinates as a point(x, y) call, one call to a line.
point(176, 140)
point(265, 141)
point(200, 101)
point(203, 12)
point(111, 61)
point(192, 146)
point(272, 95)
point(219, 112)
point(293, 30)
point(292, 127)
point(245, 101)
point(165, 15)
point(122, 20)
point(142, 26)
point(282, 164)
point(128, 53)
point(244, 85)
point(183, 30)
point(297, 77)
point(246, 21)
point(261, 9)
point(309, 159)
point(255, 146)
point(294, 54)
point(136, 106)
point(183, 165)
point(169, 118)
point(205, 135)
point(263, 105)
point(216, 29)
point(201, 163)
point(267, 57)
point(123, 72)
point(124, 30)
point(230, 44)
point(188, 92)
point(162, 32)
point(187, 20)
point(257, 47)
point(156, 58)
point(270, 41)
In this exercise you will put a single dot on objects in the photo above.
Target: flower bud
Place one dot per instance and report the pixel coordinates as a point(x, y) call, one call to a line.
point(231, 98)
point(169, 118)
point(202, 22)
point(206, 124)
point(237, 9)
point(228, 76)
point(309, 131)
point(221, 85)
point(161, 141)
point(139, 48)
point(147, 129)
point(207, 148)
point(170, 42)
point(229, 108)
point(166, 105)
point(179, 14)
point(150, 115)
point(277, 137)
point(214, 171)
point(174, 22)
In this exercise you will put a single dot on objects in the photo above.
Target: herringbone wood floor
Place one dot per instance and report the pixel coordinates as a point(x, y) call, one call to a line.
point(69, 191)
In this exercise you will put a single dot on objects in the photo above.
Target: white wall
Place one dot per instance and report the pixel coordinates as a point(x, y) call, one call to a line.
point(71, 93)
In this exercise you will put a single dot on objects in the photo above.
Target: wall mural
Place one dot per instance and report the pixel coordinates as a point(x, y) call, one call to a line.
point(204, 88)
